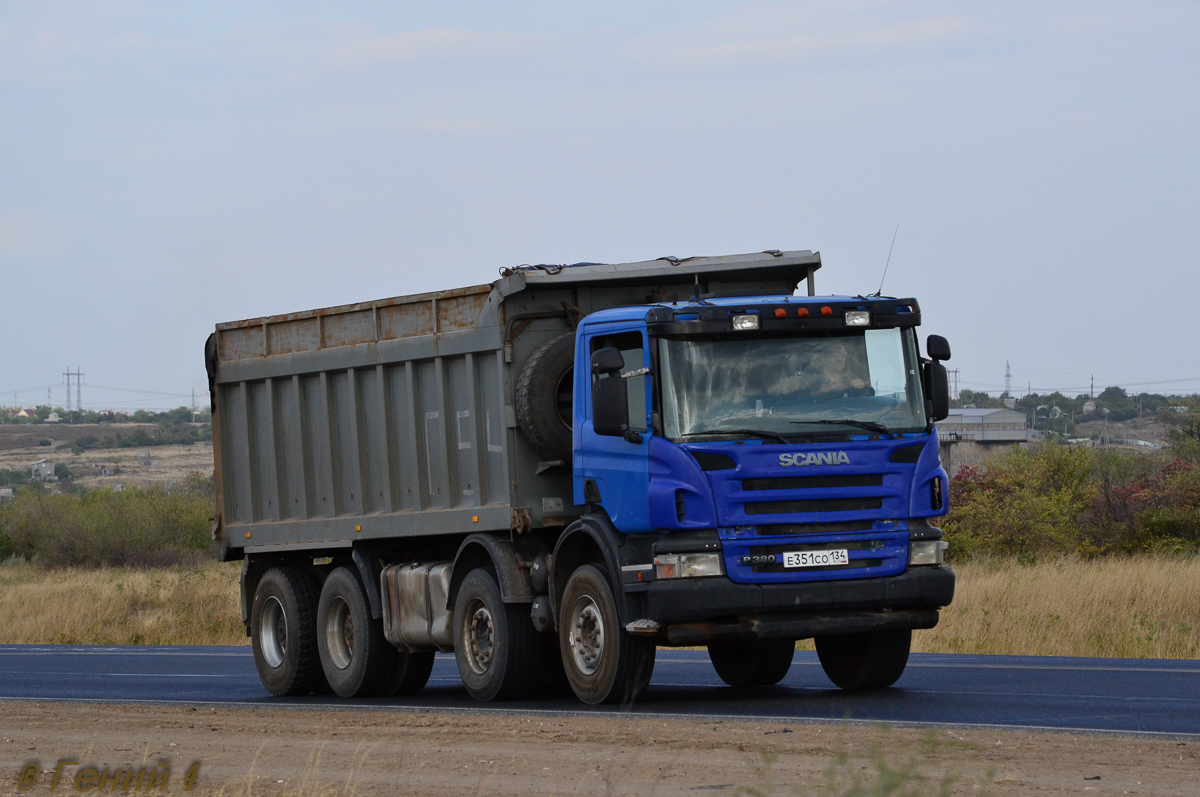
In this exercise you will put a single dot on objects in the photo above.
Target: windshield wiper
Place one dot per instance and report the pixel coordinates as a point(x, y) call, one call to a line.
point(870, 426)
point(754, 432)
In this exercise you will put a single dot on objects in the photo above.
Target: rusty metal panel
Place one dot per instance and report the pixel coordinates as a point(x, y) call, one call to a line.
point(264, 477)
point(240, 343)
point(459, 312)
point(235, 425)
point(286, 337)
point(348, 329)
point(405, 320)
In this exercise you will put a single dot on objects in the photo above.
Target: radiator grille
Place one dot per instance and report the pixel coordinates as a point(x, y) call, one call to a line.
point(776, 529)
point(813, 505)
point(814, 482)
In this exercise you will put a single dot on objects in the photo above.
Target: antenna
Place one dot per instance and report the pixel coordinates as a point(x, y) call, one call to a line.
point(889, 260)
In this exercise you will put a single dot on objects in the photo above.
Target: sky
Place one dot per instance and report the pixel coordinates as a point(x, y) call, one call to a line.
point(165, 167)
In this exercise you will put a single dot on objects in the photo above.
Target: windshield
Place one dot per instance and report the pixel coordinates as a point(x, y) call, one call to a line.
point(861, 381)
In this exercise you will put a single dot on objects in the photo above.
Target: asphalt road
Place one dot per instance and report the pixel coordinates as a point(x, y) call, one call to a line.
point(1108, 695)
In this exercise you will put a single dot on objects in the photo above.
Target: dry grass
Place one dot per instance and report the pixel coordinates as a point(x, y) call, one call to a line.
point(1140, 607)
point(1143, 607)
point(119, 606)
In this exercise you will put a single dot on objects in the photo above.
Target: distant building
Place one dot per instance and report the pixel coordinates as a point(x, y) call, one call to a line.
point(6, 492)
point(969, 435)
point(29, 415)
point(1089, 407)
point(53, 418)
point(983, 425)
point(43, 471)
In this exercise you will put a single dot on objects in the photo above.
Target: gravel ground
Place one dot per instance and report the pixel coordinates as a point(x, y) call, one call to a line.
point(281, 751)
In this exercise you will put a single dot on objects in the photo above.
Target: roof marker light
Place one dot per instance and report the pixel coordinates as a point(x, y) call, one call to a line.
point(826, 310)
point(780, 312)
point(802, 312)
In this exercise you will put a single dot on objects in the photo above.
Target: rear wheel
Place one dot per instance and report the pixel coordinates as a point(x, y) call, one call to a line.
point(603, 662)
point(864, 661)
point(495, 644)
point(283, 632)
point(410, 673)
point(754, 663)
point(357, 659)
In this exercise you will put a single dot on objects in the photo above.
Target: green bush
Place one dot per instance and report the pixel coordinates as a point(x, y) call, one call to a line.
point(1055, 499)
point(140, 527)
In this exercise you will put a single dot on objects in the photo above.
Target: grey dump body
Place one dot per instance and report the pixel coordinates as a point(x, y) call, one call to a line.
point(395, 419)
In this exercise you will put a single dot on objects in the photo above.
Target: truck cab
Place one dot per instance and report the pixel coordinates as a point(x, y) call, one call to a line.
point(769, 470)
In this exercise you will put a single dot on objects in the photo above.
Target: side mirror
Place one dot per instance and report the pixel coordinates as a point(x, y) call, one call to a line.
point(610, 406)
point(610, 400)
point(939, 391)
point(937, 347)
point(607, 361)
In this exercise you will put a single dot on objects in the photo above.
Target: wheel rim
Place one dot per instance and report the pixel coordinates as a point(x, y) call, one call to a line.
point(339, 633)
point(586, 638)
point(479, 637)
point(272, 632)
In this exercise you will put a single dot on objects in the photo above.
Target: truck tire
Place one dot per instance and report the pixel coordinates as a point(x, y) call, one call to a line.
point(754, 663)
point(496, 646)
point(283, 632)
point(543, 398)
point(864, 661)
point(604, 663)
point(410, 673)
point(355, 656)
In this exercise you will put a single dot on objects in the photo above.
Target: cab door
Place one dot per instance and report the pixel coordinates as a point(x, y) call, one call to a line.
point(615, 469)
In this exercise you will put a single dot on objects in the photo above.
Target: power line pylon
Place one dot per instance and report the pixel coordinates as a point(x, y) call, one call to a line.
point(78, 377)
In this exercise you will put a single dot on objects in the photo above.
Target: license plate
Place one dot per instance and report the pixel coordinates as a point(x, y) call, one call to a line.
point(839, 556)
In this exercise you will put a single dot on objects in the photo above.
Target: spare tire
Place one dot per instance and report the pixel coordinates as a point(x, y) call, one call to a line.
point(544, 393)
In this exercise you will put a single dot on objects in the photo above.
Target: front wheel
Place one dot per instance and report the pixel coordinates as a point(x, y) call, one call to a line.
point(864, 661)
point(604, 663)
point(754, 663)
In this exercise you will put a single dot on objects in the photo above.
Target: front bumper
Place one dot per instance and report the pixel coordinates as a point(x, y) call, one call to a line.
point(907, 600)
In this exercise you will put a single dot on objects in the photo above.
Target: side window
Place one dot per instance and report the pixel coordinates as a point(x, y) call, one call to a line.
point(634, 353)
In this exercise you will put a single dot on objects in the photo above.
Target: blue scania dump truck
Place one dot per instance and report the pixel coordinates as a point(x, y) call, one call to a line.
point(555, 474)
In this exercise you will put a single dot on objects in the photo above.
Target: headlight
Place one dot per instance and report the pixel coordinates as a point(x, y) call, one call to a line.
point(926, 552)
point(858, 318)
point(687, 565)
point(745, 321)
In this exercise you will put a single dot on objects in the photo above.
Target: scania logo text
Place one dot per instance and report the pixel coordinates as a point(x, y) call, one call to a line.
point(822, 458)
